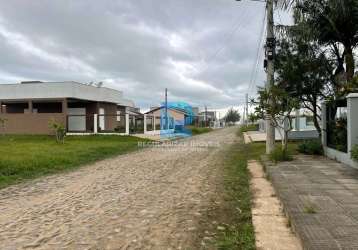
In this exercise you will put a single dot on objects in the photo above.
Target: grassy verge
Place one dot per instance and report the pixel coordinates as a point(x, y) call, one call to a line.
point(199, 131)
point(28, 157)
point(239, 234)
point(257, 149)
point(250, 127)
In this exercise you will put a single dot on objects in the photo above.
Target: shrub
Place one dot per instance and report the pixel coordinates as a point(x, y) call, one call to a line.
point(354, 153)
point(279, 155)
point(59, 130)
point(311, 147)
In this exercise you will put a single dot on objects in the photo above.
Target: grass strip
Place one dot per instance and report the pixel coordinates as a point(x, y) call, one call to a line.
point(239, 234)
point(28, 157)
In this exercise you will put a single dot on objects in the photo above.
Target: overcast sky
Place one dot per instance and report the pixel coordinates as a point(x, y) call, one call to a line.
point(203, 51)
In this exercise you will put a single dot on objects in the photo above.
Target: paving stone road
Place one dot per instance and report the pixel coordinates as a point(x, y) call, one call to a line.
point(149, 199)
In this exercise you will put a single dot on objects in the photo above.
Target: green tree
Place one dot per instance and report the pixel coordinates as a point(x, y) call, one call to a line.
point(332, 23)
point(304, 69)
point(232, 116)
point(253, 117)
point(279, 105)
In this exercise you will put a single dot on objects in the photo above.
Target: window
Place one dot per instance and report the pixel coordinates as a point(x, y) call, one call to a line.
point(118, 116)
point(15, 108)
point(309, 121)
point(47, 107)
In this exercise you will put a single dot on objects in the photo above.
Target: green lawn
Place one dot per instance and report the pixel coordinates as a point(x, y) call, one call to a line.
point(27, 157)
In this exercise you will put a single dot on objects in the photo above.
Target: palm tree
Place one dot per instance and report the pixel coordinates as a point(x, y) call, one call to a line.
point(333, 23)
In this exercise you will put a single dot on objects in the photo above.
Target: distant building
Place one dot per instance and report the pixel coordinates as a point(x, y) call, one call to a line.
point(29, 106)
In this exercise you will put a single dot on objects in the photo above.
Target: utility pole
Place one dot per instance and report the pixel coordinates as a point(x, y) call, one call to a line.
point(247, 108)
point(166, 109)
point(206, 116)
point(270, 54)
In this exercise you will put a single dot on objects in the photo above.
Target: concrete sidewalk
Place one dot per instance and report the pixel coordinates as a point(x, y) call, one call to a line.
point(320, 197)
point(271, 225)
point(257, 136)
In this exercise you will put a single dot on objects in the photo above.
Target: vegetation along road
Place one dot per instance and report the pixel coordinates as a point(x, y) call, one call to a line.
point(155, 198)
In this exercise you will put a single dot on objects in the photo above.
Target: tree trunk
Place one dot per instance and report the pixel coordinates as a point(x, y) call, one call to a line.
point(286, 141)
point(315, 119)
point(349, 58)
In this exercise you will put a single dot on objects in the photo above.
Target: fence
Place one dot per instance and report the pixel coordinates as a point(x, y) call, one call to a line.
point(111, 124)
point(94, 124)
point(124, 124)
point(340, 129)
point(136, 124)
point(336, 125)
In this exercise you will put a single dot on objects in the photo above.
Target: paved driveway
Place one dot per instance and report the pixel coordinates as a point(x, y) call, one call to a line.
point(150, 199)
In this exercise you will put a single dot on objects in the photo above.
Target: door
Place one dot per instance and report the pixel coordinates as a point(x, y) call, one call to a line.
point(77, 119)
point(101, 119)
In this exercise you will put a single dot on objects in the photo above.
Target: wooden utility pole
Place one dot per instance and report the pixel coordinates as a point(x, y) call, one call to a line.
point(270, 54)
point(247, 109)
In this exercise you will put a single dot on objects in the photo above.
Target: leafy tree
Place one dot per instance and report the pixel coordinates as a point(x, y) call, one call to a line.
point(304, 69)
point(333, 24)
point(279, 105)
point(253, 117)
point(232, 116)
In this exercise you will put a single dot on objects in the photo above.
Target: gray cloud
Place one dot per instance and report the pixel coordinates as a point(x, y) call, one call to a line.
point(203, 51)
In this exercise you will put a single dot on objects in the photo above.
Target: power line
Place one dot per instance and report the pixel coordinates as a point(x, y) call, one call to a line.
point(238, 24)
point(258, 54)
point(257, 68)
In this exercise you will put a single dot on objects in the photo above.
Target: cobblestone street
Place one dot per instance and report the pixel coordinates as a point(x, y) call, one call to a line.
point(149, 199)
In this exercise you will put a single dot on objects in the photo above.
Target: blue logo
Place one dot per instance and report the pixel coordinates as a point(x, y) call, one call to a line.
point(174, 119)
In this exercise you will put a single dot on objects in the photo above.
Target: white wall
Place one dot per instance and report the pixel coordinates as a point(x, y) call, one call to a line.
point(352, 120)
point(352, 132)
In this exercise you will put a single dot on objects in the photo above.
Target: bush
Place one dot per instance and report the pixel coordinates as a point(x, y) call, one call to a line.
point(59, 130)
point(279, 155)
point(311, 147)
point(354, 153)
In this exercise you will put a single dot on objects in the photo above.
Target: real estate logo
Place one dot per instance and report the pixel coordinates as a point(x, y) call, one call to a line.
point(175, 117)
